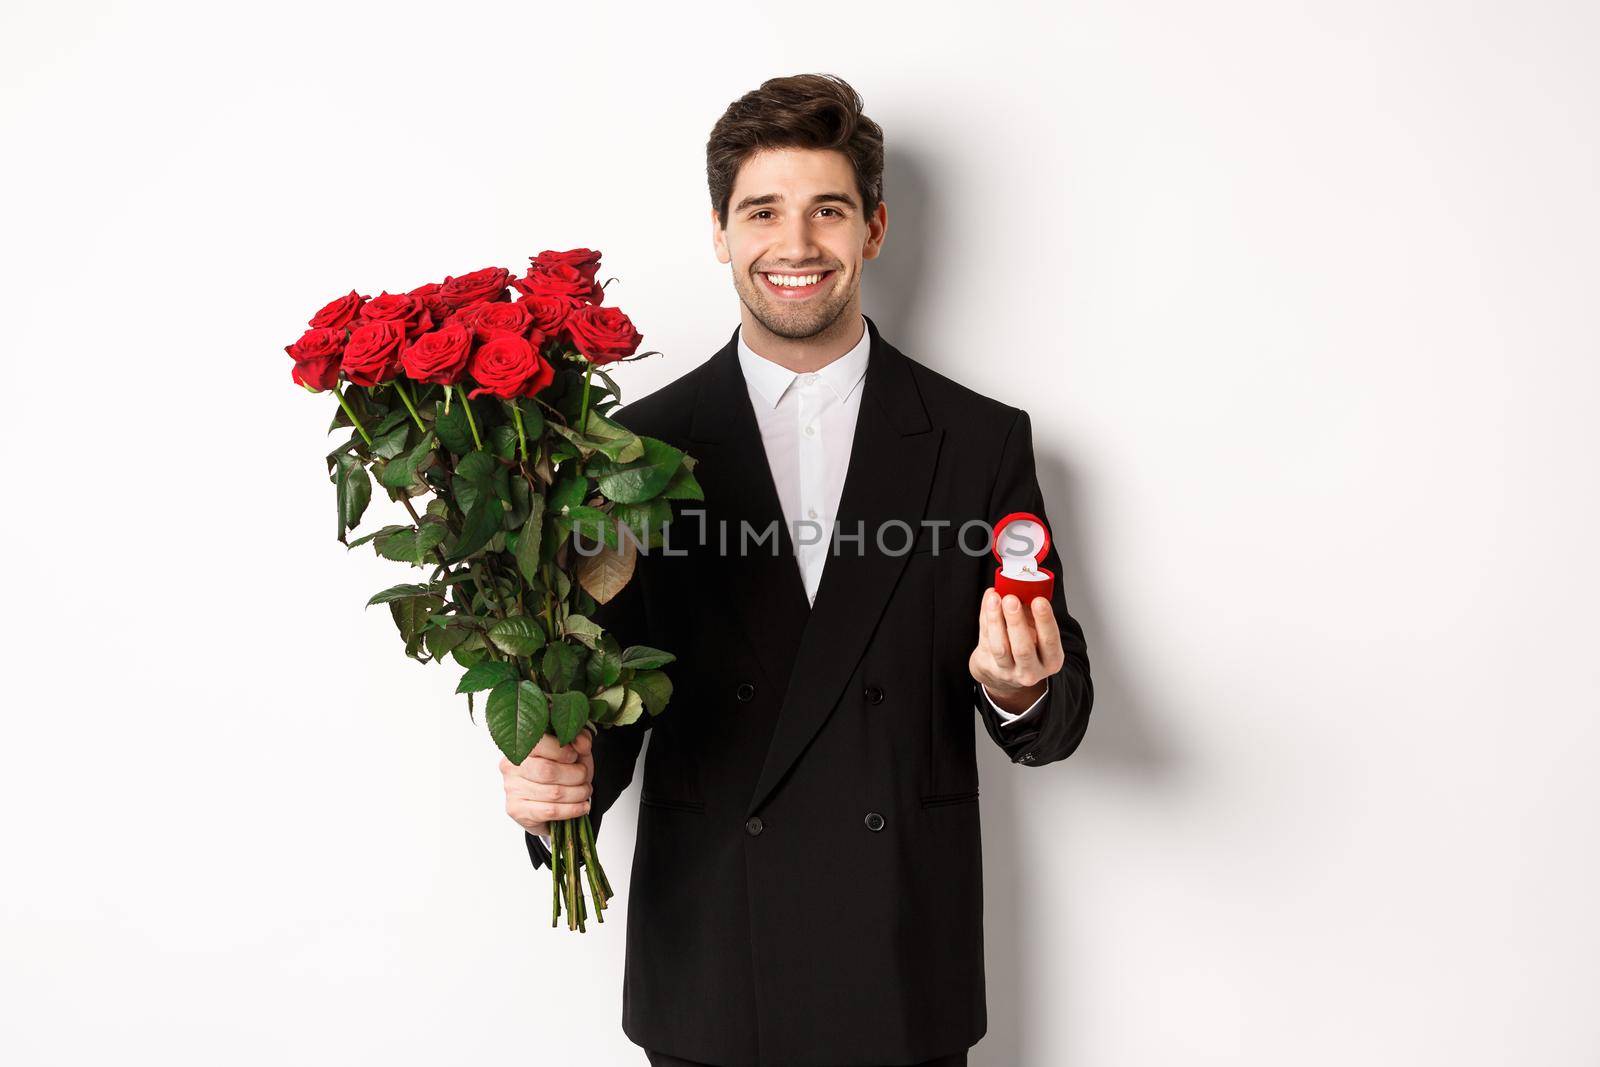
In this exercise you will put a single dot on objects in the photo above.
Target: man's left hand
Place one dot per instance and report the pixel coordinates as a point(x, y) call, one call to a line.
point(1018, 649)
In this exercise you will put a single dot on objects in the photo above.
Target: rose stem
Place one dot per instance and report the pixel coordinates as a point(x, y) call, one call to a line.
point(583, 408)
point(400, 387)
point(596, 890)
point(599, 869)
point(339, 396)
point(467, 403)
point(555, 874)
point(572, 877)
point(522, 441)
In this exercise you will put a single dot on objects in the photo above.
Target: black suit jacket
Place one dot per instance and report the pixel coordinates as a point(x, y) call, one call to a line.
point(807, 885)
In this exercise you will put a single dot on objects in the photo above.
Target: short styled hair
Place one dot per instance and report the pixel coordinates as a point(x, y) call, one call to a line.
point(801, 111)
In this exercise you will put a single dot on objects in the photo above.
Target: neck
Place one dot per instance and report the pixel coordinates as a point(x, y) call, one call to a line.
point(804, 354)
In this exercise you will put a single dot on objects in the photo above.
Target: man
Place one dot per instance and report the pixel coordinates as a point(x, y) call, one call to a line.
point(806, 888)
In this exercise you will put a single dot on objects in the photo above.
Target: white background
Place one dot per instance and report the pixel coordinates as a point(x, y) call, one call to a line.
point(1301, 298)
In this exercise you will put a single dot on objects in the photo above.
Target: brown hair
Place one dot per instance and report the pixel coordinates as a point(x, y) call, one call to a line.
point(802, 111)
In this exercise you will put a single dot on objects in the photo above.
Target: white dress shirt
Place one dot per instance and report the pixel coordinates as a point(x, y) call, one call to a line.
point(808, 423)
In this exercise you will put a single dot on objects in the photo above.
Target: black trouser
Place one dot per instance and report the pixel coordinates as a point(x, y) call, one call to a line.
point(661, 1059)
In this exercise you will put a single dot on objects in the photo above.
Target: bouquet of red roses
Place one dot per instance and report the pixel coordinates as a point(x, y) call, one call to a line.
point(494, 410)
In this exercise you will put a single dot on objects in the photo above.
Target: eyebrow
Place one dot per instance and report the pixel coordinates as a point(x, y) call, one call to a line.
point(777, 198)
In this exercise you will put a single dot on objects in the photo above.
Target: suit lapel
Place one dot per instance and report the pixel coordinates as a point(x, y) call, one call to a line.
point(892, 458)
point(762, 584)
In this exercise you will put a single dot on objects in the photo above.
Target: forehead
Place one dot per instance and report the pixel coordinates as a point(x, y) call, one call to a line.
point(793, 172)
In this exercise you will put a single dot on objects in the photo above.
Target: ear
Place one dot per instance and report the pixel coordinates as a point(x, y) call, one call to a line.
point(877, 229)
point(719, 239)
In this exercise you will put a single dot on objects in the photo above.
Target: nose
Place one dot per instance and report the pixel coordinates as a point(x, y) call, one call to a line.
point(797, 243)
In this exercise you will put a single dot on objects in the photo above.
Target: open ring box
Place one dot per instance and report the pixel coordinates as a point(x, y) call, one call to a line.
point(1021, 541)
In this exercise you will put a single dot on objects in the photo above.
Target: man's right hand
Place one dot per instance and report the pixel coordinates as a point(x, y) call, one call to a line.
point(554, 783)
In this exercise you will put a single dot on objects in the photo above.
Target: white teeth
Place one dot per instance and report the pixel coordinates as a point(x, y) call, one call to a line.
point(794, 280)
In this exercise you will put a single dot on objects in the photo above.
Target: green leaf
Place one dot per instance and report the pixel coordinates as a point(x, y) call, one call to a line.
point(469, 657)
point(648, 521)
point(439, 642)
point(401, 472)
point(486, 675)
point(455, 433)
point(391, 444)
point(655, 688)
point(402, 592)
point(517, 636)
point(646, 477)
point(560, 665)
point(528, 541)
point(479, 476)
point(353, 487)
point(411, 544)
point(616, 442)
point(518, 713)
point(532, 419)
point(594, 524)
point(622, 706)
point(411, 619)
point(568, 492)
point(604, 667)
point(568, 712)
point(683, 486)
point(481, 524)
point(645, 658)
point(584, 629)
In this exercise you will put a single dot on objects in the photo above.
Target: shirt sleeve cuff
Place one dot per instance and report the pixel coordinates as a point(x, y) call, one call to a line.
point(1007, 718)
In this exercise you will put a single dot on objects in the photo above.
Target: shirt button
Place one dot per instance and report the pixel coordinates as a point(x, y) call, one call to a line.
point(746, 692)
point(811, 431)
point(753, 825)
point(874, 821)
point(812, 512)
point(873, 694)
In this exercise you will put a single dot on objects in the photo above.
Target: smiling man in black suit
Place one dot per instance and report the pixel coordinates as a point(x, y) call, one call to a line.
point(807, 884)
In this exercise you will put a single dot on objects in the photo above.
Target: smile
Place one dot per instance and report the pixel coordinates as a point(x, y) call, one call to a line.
point(795, 286)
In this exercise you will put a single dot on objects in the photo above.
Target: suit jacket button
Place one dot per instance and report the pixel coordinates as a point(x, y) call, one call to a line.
point(873, 694)
point(874, 821)
point(746, 692)
point(753, 825)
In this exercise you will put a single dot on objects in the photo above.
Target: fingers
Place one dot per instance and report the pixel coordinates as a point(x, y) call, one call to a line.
point(1051, 654)
point(543, 771)
point(548, 793)
point(540, 791)
point(1019, 630)
point(549, 749)
point(535, 816)
point(993, 634)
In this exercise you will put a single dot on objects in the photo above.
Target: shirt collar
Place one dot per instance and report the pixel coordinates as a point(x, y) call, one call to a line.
point(771, 380)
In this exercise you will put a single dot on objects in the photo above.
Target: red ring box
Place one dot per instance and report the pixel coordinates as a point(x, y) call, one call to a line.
point(1025, 540)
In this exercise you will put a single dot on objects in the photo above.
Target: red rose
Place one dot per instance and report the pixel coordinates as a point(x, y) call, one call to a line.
point(564, 281)
point(372, 355)
point(549, 313)
point(316, 358)
point(510, 366)
point(486, 284)
point(316, 374)
point(436, 304)
point(602, 335)
point(485, 319)
point(439, 357)
point(402, 309)
point(584, 260)
point(337, 314)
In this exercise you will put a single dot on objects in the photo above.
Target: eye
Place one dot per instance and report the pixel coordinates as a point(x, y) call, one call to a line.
point(832, 209)
point(758, 214)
